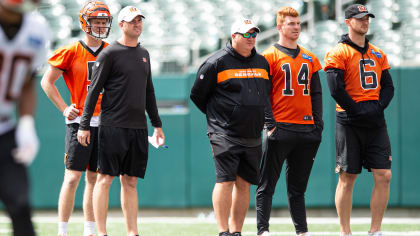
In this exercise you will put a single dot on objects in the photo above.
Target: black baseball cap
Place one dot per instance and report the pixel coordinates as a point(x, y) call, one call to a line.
point(357, 11)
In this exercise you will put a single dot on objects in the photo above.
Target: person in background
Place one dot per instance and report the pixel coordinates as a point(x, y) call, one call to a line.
point(24, 40)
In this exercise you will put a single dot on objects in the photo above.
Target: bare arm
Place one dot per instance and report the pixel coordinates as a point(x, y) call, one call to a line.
point(48, 85)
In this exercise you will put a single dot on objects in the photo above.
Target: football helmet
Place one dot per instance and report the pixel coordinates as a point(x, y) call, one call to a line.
point(20, 6)
point(95, 10)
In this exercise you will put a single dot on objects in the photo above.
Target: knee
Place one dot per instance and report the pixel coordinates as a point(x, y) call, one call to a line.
point(129, 182)
point(104, 180)
point(91, 177)
point(242, 185)
point(383, 177)
point(346, 180)
point(71, 180)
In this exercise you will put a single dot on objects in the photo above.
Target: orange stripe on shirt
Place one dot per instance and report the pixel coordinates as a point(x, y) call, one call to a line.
point(241, 74)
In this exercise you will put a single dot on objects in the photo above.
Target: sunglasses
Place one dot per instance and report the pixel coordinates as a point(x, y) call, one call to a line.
point(248, 35)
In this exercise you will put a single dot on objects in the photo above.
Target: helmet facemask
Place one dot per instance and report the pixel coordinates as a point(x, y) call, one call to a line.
point(99, 31)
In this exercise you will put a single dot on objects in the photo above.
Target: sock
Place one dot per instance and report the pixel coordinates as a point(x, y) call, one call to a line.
point(62, 228)
point(89, 228)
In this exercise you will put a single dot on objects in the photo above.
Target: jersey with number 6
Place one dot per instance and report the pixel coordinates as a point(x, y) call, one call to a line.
point(20, 57)
point(291, 79)
point(362, 73)
point(76, 61)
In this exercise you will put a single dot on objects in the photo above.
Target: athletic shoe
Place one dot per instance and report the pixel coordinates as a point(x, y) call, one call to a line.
point(236, 234)
point(377, 233)
point(225, 234)
point(265, 233)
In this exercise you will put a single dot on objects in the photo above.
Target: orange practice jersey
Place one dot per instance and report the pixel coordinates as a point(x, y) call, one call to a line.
point(362, 75)
point(76, 61)
point(291, 79)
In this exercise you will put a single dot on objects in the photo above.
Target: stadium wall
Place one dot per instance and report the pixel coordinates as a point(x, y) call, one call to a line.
point(183, 175)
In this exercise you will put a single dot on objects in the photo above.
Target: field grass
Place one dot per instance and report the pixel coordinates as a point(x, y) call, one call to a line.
point(159, 228)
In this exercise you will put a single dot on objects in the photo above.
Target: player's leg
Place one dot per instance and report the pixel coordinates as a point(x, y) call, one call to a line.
point(248, 172)
point(133, 166)
point(222, 202)
point(100, 201)
point(348, 165)
point(343, 200)
point(129, 203)
point(378, 160)
point(226, 167)
point(298, 170)
point(76, 160)
point(380, 196)
point(88, 204)
point(272, 163)
point(66, 198)
point(112, 146)
point(14, 188)
point(240, 204)
point(90, 180)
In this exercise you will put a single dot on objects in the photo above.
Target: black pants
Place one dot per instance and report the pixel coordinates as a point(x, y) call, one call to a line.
point(14, 188)
point(299, 150)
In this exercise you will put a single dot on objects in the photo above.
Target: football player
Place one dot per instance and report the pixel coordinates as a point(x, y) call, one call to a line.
point(295, 133)
point(24, 37)
point(74, 62)
point(360, 83)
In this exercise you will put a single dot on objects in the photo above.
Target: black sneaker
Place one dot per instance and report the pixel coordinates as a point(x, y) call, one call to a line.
point(225, 234)
point(236, 234)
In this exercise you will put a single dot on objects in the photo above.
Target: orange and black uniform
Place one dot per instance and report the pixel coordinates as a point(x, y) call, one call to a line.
point(360, 83)
point(296, 99)
point(232, 91)
point(76, 60)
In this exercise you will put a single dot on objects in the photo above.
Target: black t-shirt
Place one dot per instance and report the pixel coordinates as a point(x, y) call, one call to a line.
point(125, 75)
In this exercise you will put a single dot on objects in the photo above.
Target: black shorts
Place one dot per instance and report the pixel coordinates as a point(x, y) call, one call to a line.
point(357, 147)
point(122, 151)
point(78, 157)
point(232, 159)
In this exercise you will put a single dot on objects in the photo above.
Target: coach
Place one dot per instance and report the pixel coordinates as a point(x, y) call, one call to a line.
point(231, 88)
point(123, 71)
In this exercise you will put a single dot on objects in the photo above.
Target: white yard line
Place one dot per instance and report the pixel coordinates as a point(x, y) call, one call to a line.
point(387, 233)
point(210, 219)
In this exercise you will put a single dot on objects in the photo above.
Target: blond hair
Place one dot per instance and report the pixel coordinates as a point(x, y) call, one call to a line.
point(285, 11)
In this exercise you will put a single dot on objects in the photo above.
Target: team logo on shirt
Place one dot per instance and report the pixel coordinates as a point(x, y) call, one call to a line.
point(34, 41)
point(377, 54)
point(144, 59)
point(304, 56)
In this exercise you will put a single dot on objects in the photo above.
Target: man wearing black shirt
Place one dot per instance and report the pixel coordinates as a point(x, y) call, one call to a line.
point(232, 89)
point(123, 71)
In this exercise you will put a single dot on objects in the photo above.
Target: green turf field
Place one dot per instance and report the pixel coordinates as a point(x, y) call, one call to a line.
point(210, 229)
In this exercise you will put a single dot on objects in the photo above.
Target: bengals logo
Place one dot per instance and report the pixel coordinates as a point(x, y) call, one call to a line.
point(133, 9)
point(362, 8)
point(248, 22)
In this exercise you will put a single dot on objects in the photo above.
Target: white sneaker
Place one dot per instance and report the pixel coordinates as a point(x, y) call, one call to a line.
point(265, 233)
point(377, 233)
